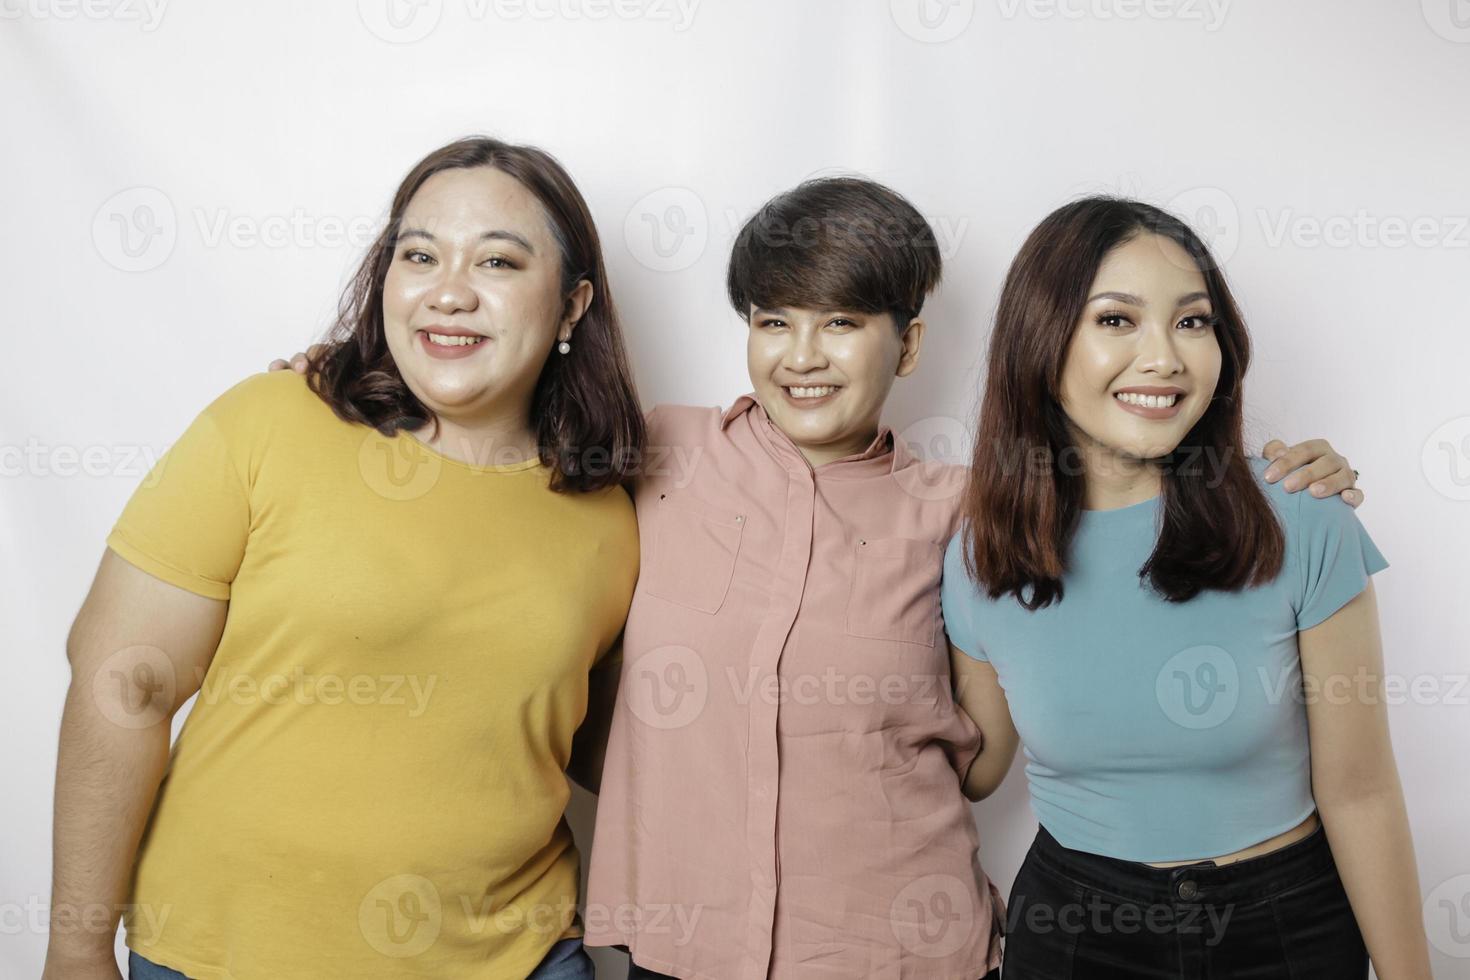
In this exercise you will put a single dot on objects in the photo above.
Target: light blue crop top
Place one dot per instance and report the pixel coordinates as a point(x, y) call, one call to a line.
point(1158, 731)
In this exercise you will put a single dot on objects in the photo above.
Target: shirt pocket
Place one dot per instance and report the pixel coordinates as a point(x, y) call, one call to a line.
point(694, 551)
point(895, 590)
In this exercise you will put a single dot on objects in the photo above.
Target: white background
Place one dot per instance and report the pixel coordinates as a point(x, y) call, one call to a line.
point(185, 187)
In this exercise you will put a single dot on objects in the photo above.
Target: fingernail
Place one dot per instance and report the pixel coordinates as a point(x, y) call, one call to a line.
point(1318, 489)
point(1271, 475)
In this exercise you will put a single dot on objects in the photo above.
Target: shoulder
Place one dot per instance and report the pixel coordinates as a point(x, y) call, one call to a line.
point(679, 425)
point(1301, 511)
point(263, 398)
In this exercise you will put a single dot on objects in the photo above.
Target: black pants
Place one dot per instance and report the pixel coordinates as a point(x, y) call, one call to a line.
point(1281, 915)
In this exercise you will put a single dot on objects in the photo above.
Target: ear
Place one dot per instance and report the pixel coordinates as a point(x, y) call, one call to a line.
point(578, 300)
point(912, 339)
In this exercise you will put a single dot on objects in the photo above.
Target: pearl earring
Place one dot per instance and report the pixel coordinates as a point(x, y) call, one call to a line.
point(564, 347)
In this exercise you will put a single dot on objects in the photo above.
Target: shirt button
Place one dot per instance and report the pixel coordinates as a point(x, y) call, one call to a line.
point(1187, 890)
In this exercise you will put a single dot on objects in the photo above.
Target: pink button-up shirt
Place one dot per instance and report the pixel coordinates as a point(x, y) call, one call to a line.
point(782, 796)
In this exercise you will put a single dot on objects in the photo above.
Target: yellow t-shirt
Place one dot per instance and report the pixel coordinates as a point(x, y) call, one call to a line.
point(370, 783)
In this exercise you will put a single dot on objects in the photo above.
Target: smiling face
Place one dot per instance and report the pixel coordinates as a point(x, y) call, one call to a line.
point(823, 375)
point(472, 300)
point(1143, 363)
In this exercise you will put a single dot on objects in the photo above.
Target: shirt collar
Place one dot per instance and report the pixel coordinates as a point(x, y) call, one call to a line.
point(884, 443)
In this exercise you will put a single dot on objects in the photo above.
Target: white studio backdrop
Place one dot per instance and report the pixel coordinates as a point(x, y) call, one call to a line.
point(185, 187)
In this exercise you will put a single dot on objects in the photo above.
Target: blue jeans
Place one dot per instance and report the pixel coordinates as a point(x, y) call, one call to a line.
point(567, 960)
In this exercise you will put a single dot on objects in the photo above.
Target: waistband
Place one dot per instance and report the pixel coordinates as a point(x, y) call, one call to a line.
point(1201, 883)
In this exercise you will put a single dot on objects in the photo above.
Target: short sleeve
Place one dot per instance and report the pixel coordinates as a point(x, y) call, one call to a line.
point(1336, 558)
point(188, 522)
point(959, 598)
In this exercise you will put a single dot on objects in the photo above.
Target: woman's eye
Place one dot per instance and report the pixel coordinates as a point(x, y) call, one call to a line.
point(842, 322)
point(1198, 322)
point(773, 323)
point(496, 262)
point(417, 257)
point(1113, 321)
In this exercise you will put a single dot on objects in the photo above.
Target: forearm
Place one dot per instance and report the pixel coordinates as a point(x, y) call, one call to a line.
point(107, 776)
point(1375, 856)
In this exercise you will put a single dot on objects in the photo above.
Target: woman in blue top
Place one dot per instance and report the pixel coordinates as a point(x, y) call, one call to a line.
point(1168, 633)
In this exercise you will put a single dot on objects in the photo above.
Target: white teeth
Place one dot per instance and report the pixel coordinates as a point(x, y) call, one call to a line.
point(820, 392)
point(444, 340)
point(1147, 401)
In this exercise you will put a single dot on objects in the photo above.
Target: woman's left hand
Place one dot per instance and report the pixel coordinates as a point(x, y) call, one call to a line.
point(1313, 465)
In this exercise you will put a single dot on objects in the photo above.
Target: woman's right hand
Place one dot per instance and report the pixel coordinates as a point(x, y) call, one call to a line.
point(297, 362)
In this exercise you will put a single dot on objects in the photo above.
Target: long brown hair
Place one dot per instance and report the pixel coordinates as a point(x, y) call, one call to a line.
point(585, 409)
point(1022, 505)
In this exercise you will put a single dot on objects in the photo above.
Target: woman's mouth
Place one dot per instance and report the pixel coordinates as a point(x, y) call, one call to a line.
point(447, 346)
point(1160, 406)
point(810, 396)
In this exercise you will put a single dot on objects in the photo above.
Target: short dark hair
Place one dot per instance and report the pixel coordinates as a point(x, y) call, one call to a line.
point(584, 406)
point(835, 243)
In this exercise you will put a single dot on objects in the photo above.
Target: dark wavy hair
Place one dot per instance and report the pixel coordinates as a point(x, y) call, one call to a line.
point(585, 406)
point(1219, 531)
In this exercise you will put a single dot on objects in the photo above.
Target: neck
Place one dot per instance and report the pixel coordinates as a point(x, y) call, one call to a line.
point(1115, 480)
point(817, 455)
point(494, 439)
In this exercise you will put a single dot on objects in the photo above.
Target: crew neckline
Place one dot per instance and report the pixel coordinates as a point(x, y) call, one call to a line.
point(522, 466)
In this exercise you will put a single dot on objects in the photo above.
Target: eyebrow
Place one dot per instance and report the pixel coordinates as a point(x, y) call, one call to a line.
point(499, 234)
point(1132, 300)
point(783, 311)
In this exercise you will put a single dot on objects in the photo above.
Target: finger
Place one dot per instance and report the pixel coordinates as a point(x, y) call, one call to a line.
point(315, 351)
point(298, 363)
point(1353, 498)
point(1332, 484)
point(279, 364)
point(1273, 449)
point(1294, 458)
point(1316, 470)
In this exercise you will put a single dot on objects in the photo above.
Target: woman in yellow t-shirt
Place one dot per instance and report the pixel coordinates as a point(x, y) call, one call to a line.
point(388, 582)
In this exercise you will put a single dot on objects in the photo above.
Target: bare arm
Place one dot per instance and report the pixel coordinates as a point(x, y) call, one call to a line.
point(978, 693)
point(138, 650)
point(1356, 784)
point(589, 745)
